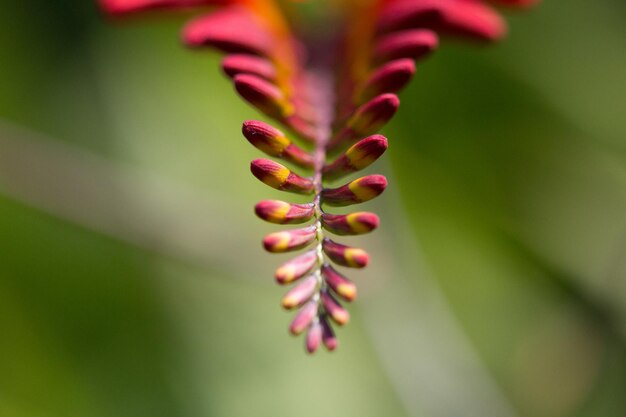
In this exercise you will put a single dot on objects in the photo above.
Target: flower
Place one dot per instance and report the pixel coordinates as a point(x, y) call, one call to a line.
point(332, 91)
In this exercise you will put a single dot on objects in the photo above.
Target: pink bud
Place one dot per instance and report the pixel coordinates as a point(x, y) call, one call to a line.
point(389, 78)
point(359, 156)
point(296, 268)
point(334, 309)
point(263, 95)
point(304, 318)
point(289, 240)
point(474, 20)
point(328, 336)
point(358, 191)
point(314, 337)
point(280, 212)
point(409, 14)
point(350, 224)
point(416, 44)
point(274, 143)
point(223, 30)
point(280, 177)
point(367, 119)
point(121, 7)
point(236, 64)
point(345, 255)
point(300, 294)
point(341, 285)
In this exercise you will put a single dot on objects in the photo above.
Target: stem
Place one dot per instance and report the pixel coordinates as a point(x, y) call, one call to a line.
point(321, 85)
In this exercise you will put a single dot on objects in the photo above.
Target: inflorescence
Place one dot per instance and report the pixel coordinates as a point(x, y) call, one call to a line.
point(332, 92)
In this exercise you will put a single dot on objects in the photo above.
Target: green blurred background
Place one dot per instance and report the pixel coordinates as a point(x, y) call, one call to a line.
point(132, 283)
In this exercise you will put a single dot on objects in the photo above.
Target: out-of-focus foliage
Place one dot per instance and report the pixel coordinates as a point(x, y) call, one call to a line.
point(131, 283)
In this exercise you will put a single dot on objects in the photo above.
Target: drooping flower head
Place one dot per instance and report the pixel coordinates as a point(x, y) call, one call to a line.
point(330, 80)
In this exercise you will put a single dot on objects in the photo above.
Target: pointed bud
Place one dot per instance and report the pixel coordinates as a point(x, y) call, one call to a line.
point(263, 95)
point(345, 255)
point(415, 44)
point(474, 20)
point(304, 318)
point(334, 309)
point(357, 191)
point(350, 224)
point(236, 64)
point(313, 337)
point(341, 285)
point(289, 240)
point(223, 30)
point(280, 177)
point(516, 3)
point(415, 14)
point(300, 294)
point(121, 7)
point(274, 143)
point(368, 119)
point(328, 335)
point(359, 156)
point(388, 78)
point(296, 268)
point(280, 212)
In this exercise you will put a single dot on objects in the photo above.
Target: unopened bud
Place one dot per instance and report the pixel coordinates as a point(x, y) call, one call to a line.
point(280, 177)
point(300, 294)
point(263, 95)
point(341, 285)
point(273, 142)
point(357, 191)
point(304, 318)
point(289, 240)
point(280, 212)
point(359, 156)
point(345, 255)
point(296, 268)
point(334, 309)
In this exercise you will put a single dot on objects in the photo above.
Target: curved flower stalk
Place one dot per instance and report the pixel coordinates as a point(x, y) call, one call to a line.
point(331, 92)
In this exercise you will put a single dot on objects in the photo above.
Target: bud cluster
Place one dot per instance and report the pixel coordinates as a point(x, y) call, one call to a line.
point(331, 94)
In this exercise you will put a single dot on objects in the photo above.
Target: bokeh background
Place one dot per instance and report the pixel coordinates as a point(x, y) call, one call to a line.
point(132, 283)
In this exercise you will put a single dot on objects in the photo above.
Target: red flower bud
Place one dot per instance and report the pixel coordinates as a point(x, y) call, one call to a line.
point(341, 285)
point(415, 44)
point(274, 143)
point(280, 177)
point(359, 156)
point(350, 224)
point(357, 191)
point(328, 336)
point(314, 337)
point(367, 119)
point(304, 318)
point(223, 30)
point(236, 64)
point(280, 212)
point(334, 309)
point(120, 7)
point(263, 95)
point(296, 268)
point(289, 240)
point(300, 294)
point(389, 78)
point(345, 255)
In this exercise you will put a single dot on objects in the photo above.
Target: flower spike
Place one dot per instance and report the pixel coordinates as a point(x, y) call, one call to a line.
point(332, 93)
